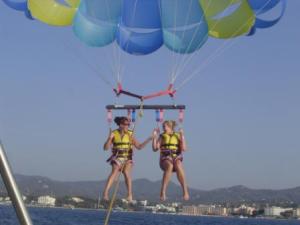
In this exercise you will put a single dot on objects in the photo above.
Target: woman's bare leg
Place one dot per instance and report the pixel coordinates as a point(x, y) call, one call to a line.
point(115, 170)
point(167, 166)
point(128, 180)
point(182, 180)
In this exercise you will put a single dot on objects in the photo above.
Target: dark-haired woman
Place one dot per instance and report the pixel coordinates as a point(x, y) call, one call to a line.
point(171, 145)
point(122, 142)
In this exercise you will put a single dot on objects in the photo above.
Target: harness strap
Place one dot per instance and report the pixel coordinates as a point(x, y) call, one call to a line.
point(167, 145)
point(168, 152)
point(122, 143)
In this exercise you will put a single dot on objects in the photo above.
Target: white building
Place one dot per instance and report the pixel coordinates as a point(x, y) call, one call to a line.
point(218, 210)
point(297, 213)
point(161, 207)
point(244, 210)
point(133, 202)
point(275, 211)
point(204, 210)
point(77, 200)
point(144, 203)
point(175, 204)
point(46, 201)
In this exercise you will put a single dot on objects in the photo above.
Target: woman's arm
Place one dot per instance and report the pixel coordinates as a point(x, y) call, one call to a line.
point(183, 146)
point(138, 145)
point(155, 140)
point(109, 141)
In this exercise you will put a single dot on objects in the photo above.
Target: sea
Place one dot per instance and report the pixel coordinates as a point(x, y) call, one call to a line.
point(55, 216)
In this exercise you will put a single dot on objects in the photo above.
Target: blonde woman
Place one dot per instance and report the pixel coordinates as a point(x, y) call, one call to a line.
point(171, 145)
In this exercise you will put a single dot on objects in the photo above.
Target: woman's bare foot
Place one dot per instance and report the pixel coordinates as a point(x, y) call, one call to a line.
point(163, 197)
point(105, 197)
point(129, 198)
point(186, 196)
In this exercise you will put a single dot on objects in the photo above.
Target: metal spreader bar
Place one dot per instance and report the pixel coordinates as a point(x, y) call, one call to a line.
point(150, 107)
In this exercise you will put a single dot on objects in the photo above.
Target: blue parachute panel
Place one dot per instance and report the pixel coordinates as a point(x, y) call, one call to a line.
point(263, 6)
point(19, 6)
point(139, 30)
point(139, 43)
point(97, 26)
point(184, 26)
point(104, 10)
point(141, 14)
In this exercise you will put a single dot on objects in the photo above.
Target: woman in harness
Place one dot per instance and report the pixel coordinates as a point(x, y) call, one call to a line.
point(171, 145)
point(122, 143)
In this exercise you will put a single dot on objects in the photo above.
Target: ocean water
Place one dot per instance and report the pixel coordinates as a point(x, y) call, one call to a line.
point(45, 216)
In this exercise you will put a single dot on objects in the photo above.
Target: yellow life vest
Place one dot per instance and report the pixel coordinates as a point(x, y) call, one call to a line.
point(170, 144)
point(122, 145)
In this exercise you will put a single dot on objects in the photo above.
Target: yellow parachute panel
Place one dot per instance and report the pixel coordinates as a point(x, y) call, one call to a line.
point(228, 18)
point(53, 13)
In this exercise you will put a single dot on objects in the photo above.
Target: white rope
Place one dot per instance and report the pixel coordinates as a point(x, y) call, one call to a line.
point(219, 51)
point(188, 58)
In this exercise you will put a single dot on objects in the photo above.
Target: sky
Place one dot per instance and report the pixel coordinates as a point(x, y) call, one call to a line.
point(242, 120)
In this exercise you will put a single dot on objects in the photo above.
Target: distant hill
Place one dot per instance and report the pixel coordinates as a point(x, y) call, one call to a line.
point(146, 189)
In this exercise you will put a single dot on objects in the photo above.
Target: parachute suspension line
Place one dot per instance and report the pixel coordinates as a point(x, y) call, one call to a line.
point(116, 61)
point(174, 19)
point(188, 58)
point(218, 52)
point(174, 68)
point(173, 52)
point(79, 56)
point(135, 121)
point(121, 70)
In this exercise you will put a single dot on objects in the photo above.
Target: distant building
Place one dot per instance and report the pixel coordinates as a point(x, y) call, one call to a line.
point(68, 206)
point(275, 211)
point(46, 201)
point(144, 203)
point(77, 200)
point(161, 207)
point(175, 204)
point(133, 202)
point(204, 210)
point(190, 210)
point(218, 210)
point(244, 210)
point(150, 208)
point(297, 212)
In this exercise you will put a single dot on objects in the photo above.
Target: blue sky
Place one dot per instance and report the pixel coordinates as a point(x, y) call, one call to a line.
point(242, 121)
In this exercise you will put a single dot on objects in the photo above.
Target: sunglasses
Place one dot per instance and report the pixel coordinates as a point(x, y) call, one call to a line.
point(125, 124)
